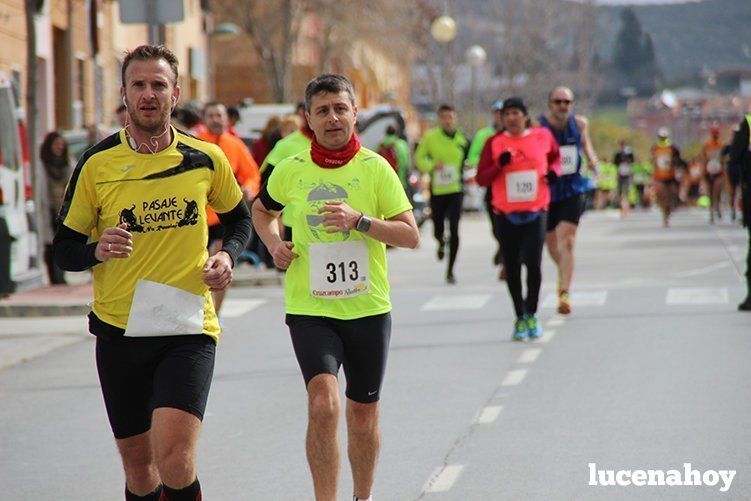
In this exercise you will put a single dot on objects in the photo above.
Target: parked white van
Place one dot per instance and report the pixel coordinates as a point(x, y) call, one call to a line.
point(19, 260)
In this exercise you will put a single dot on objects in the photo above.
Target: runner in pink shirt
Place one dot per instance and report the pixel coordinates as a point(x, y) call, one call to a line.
point(518, 165)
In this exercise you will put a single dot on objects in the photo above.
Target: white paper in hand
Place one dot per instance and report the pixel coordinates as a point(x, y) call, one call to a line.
point(163, 310)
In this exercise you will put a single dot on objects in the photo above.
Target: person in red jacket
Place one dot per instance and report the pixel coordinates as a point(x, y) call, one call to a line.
point(517, 165)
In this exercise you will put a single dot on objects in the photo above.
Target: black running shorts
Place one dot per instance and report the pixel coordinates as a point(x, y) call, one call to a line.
point(569, 210)
point(139, 375)
point(361, 345)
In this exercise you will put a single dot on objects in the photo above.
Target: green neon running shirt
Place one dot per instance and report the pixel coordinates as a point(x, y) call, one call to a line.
point(436, 147)
point(340, 275)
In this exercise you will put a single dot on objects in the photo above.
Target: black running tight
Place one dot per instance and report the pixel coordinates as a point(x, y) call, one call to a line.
point(522, 244)
point(442, 207)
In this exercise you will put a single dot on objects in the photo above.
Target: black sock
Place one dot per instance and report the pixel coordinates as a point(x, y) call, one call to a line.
point(189, 493)
point(152, 496)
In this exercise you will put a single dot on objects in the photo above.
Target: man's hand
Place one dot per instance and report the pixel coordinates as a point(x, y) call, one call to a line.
point(217, 272)
point(114, 243)
point(283, 254)
point(338, 216)
point(247, 193)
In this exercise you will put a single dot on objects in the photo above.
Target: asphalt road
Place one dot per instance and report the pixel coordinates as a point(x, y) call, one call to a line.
point(649, 372)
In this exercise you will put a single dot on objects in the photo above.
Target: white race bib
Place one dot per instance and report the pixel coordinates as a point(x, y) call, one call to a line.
point(161, 310)
point(663, 162)
point(714, 166)
point(446, 176)
point(569, 159)
point(624, 169)
point(521, 186)
point(339, 270)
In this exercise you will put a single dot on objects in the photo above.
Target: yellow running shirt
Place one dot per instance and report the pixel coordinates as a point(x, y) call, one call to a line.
point(340, 275)
point(163, 199)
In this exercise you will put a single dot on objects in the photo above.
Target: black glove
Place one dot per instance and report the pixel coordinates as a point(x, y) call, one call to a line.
point(551, 176)
point(504, 159)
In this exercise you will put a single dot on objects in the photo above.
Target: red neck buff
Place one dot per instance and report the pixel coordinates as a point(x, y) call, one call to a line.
point(332, 159)
point(307, 132)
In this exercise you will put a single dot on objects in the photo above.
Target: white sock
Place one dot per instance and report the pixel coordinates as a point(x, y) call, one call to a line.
point(369, 498)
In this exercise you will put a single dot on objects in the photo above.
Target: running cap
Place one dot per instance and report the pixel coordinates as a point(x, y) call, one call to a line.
point(497, 106)
point(663, 132)
point(514, 102)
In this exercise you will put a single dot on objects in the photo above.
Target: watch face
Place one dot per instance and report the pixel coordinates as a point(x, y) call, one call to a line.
point(363, 224)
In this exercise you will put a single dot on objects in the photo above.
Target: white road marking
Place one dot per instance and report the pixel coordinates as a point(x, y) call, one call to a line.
point(443, 478)
point(457, 302)
point(555, 322)
point(547, 335)
point(696, 296)
point(488, 414)
point(702, 271)
point(580, 298)
point(233, 308)
point(514, 377)
point(529, 355)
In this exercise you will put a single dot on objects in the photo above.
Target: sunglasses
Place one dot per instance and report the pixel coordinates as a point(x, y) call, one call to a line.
point(561, 101)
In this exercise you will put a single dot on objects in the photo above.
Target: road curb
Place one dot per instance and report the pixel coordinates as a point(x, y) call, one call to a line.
point(50, 310)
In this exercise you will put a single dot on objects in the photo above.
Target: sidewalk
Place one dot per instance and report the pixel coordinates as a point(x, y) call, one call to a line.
point(75, 300)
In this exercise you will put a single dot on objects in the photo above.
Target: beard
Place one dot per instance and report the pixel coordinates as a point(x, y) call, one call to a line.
point(154, 125)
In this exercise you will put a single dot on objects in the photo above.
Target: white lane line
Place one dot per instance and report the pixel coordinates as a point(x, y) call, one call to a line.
point(702, 271)
point(555, 322)
point(443, 478)
point(514, 377)
point(457, 302)
point(580, 298)
point(685, 296)
point(488, 414)
point(233, 308)
point(547, 335)
point(529, 355)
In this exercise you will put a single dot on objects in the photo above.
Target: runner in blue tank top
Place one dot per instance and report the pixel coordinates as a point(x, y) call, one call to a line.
point(567, 194)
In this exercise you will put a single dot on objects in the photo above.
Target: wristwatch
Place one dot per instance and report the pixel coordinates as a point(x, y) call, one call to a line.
point(363, 224)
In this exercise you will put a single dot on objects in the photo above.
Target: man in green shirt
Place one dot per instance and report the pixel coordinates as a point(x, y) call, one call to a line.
point(344, 203)
point(441, 154)
point(473, 157)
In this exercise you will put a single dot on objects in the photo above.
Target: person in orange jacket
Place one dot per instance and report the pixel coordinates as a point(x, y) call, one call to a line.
point(246, 172)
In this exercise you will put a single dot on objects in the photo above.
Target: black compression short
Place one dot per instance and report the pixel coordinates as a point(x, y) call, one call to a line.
point(361, 345)
point(569, 210)
point(139, 375)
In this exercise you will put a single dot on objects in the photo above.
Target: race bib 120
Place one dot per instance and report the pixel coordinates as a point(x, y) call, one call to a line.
point(521, 186)
point(339, 270)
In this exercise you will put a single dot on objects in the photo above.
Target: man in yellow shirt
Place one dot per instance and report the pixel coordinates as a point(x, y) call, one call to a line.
point(344, 204)
point(140, 196)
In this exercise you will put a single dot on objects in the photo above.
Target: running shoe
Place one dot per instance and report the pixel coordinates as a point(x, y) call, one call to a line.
point(520, 330)
point(441, 251)
point(534, 327)
point(450, 279)
point(564, 303)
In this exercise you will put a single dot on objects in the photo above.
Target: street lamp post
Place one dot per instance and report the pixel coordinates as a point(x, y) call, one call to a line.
point(443, 30)
point(475, 57)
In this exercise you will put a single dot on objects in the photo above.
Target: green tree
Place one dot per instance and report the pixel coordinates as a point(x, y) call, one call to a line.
point(634, 61)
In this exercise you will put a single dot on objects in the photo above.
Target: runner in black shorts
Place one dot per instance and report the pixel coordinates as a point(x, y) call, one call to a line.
point(153, 315)
point(336, 286)
point(322, 345)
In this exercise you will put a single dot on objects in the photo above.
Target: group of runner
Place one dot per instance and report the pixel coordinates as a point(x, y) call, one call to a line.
point(135, 211)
